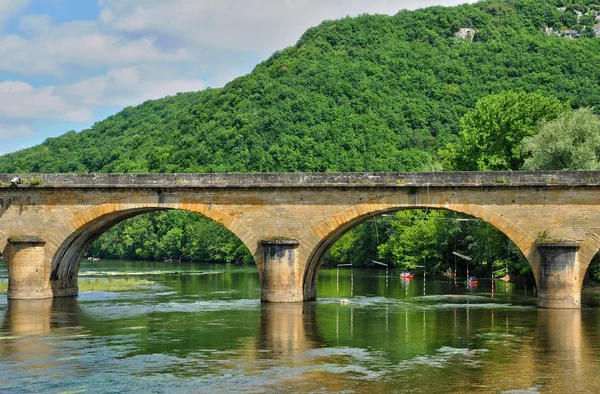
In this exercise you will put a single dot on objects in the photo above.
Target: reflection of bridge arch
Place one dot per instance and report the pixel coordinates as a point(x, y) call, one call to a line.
point(321, 237)
point(76, 236)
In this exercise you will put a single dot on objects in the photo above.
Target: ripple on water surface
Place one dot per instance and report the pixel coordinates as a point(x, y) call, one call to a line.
point(128, 308)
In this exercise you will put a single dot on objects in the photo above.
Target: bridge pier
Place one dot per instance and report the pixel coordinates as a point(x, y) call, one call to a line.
point(559, 285)
point(27, 277)
point(281, 281)
point(65, 287)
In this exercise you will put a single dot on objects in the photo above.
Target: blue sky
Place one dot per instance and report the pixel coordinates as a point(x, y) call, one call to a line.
point(65, 64)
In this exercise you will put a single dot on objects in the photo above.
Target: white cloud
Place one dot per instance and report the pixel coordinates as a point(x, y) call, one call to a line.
point(19, 100)
point(187, 33)
point(76, 102)
point(9, 8)
point(35, 24)
point(130, 85)
point(45, 48)
point(240, 25)
point(9, 131)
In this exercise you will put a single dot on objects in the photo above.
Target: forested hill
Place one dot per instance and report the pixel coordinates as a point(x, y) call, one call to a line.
point(372, 93)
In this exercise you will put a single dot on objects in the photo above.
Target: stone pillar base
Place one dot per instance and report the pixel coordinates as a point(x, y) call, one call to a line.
point(65, 289)
point(25, 262)
point(280, 281)
point(559, 283)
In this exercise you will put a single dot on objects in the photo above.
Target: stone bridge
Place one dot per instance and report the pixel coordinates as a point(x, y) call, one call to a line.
point(288, 221)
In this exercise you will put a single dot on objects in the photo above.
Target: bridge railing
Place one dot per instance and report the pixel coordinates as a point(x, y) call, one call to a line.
point(298, 179)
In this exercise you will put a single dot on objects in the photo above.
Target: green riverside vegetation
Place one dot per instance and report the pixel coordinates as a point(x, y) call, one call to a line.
point(111, 284)
point(417, 91)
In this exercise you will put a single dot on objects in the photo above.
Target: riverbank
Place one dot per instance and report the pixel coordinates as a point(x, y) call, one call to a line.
point(115, 285)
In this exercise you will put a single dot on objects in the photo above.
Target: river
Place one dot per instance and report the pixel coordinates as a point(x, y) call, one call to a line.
point(202, 328)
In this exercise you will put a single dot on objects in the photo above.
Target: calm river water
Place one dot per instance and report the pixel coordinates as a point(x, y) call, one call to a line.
point(202, 328)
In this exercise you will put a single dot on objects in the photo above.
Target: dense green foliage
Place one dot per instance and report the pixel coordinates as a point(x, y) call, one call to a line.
point(372, 93)
point(571, 142)
point(491, 134)
point(419, 237)
point(415, 238)
point(171, 236)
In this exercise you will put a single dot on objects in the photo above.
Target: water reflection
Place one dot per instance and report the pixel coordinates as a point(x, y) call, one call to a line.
point(35, 317)
point(560, 342)
point(288, 330)
point(368, 332)
point(26, 326)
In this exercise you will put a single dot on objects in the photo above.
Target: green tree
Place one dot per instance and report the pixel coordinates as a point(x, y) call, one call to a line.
point(419, 238)
point(341, 251)
point(170, 244)
point(491, 134)
point(571, 142)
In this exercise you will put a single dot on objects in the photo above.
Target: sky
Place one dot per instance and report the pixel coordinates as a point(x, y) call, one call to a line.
point(65, 64)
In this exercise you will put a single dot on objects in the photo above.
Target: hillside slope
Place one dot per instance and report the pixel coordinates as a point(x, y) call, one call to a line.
point(373, 93)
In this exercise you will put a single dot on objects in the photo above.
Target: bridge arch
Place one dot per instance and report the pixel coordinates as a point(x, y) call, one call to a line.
point(67, 246)
point(588, 248)
point(3, 240)
point(315, 242)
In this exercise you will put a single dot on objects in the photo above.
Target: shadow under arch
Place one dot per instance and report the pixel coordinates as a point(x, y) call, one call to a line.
point(332, 228)
point(75, 237)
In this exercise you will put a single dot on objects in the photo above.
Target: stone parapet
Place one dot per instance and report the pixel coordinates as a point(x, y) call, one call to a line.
point(298, 179)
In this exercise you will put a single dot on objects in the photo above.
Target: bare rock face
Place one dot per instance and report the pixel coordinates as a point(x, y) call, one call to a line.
point(574, 33)
point(466, 34)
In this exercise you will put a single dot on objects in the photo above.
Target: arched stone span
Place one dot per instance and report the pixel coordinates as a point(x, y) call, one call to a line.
point(77, 235)
point(3, 240)
point(587, 250)
point(316, 242)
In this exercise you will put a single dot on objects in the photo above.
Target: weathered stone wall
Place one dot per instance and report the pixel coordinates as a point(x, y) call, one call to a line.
point(298, 179)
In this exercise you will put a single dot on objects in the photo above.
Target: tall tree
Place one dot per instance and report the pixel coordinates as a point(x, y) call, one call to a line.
point(491, 134)
point(571, 142)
